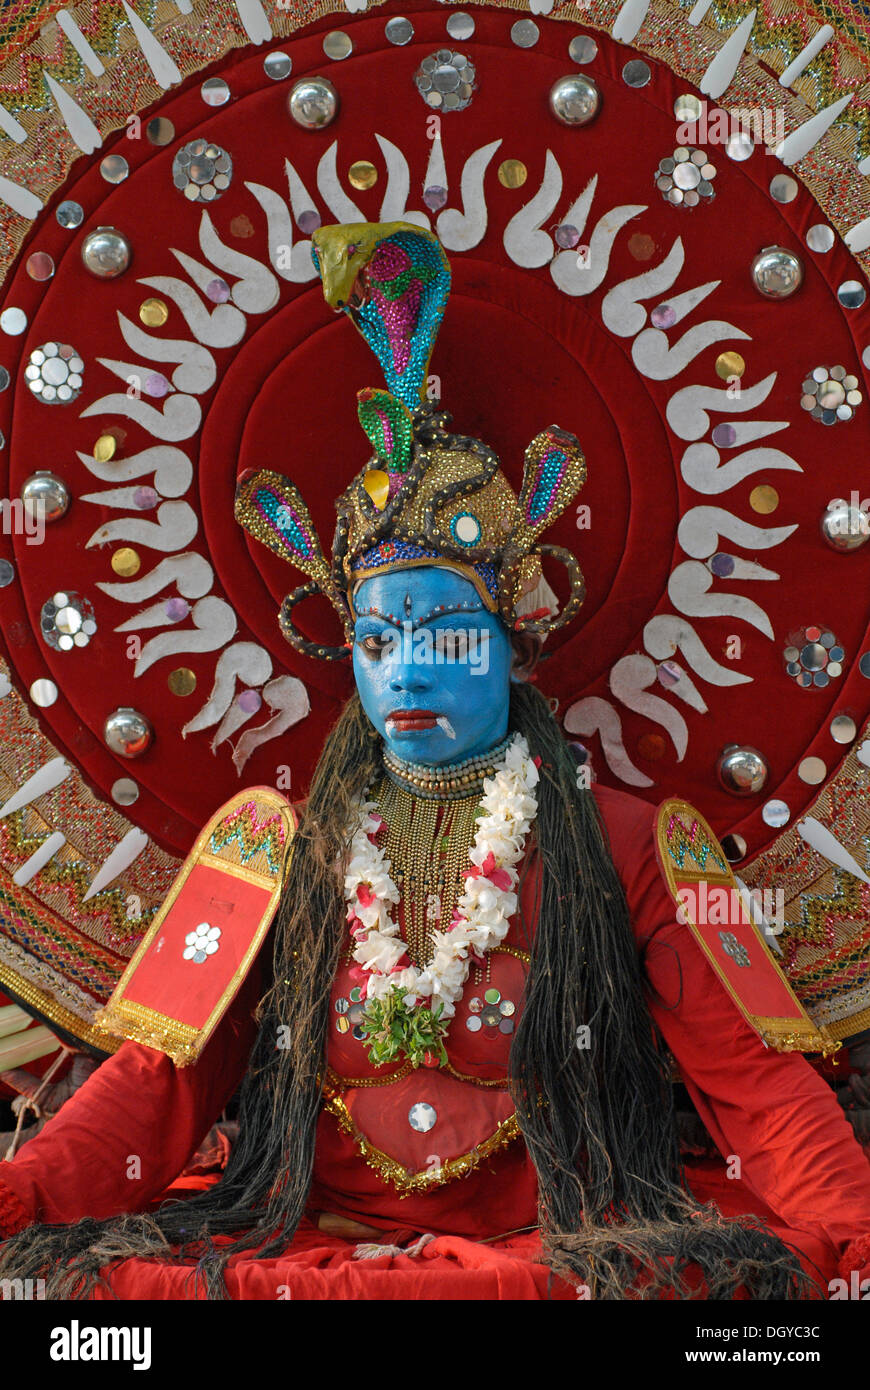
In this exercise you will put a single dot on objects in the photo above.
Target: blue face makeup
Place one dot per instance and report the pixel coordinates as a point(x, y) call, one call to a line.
point(432, 664)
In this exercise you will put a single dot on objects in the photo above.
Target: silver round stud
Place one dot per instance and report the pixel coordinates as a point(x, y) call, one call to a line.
point(783, 188)
point(45, 494)
point(127, 732)
point(114, 168)
point(843, 729)
point(106, 253)
point(575, 100)
point(13, 322)
point(636, 73)
point(845, 527)
point(124, 792)
point(777, 272)
point(812, 771)
point(525, 33)
point(742, 770)
point(460, 25)
point(337, 45)
point(215, 92)
point(422, 1117)
point(70, 214)
point(582, 49)
point(313, 102)
point(739, 146)
point(43, 692)
point(852, 294)
point(820, 238)
point(399, 30)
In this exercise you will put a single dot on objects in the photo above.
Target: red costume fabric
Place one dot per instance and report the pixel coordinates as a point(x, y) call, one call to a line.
point(800, 1166)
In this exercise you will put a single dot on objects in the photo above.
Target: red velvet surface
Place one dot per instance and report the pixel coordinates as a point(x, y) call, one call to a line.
point(514, 355)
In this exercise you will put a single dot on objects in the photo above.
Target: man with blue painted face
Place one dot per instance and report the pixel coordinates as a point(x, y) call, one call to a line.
point(479, 964)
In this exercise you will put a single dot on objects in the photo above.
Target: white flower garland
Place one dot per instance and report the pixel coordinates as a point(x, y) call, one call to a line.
point(483, 912)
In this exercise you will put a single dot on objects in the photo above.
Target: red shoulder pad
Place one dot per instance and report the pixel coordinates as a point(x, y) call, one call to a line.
point(190, 964)
point(712, 907)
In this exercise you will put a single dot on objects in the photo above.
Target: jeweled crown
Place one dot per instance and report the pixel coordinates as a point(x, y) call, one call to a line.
point(425, 496)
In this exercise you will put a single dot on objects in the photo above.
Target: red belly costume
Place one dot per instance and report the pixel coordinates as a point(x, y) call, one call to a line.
point(435, 1151)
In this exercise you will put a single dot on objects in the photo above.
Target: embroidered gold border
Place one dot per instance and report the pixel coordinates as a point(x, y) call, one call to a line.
point(139, 1023)
point(226, 866)
point(210, 31)
point(48, 1007)
point(841, 1028)
point(355, 1083)
point(798, 1034)
point(406, 1182)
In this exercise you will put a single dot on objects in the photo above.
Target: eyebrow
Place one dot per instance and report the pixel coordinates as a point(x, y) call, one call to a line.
point(440, 611)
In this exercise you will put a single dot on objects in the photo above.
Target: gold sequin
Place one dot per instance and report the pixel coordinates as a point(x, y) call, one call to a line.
point(363, 174)
point(126, 562)
point(764, 499)
point(512, 173)
point(105, 447)
point(154, 312)
point(182, 681)
point(729, 364)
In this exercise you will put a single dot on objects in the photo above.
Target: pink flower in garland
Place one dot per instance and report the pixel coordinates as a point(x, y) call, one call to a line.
point(381, 825)
point(499, 877)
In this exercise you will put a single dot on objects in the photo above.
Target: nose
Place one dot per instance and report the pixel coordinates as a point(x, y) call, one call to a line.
point(409, 677)
point(411, 672)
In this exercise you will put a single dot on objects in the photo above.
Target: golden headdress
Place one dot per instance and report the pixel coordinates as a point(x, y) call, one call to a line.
point(426, 496)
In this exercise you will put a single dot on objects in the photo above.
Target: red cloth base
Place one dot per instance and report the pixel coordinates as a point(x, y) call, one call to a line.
point(320, 1266)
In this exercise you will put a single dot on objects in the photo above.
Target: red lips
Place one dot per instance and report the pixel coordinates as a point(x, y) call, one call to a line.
point(412, 719)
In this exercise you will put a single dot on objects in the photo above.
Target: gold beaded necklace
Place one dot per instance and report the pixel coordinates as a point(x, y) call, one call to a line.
point(427, 842)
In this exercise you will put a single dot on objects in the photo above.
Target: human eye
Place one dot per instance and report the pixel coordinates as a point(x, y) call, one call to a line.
point(373, 645)
point(451, 642)
point(373, 641)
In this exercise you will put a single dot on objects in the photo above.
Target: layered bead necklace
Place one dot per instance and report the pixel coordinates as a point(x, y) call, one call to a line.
point(431, 815)
point(447, 782)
